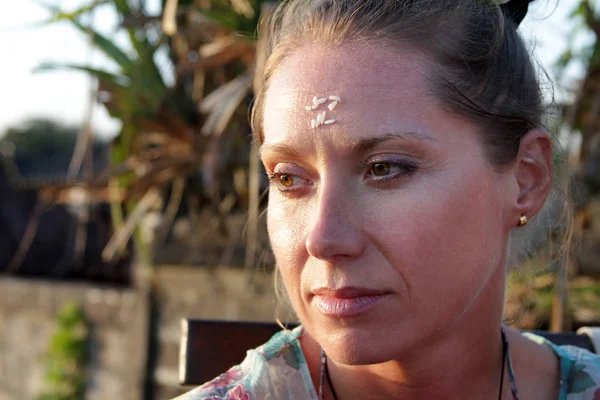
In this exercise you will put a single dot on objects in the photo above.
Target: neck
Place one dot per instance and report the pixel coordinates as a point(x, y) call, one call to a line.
point(453, 370)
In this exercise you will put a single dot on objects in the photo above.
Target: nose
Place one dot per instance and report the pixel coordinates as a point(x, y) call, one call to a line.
point(336, 230)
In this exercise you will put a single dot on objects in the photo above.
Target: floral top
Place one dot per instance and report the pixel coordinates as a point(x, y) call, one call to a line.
point(278, 370)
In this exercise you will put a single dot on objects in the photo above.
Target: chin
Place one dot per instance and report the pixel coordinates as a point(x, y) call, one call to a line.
point(358, 344)
point(358, 353)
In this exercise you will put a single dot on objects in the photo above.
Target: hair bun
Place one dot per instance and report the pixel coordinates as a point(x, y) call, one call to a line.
point(515, 9)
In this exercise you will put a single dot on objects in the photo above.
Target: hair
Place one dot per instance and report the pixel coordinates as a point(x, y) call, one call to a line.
point(480, 67)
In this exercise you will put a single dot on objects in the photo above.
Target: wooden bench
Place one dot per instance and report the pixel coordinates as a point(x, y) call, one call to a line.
point(209, 347)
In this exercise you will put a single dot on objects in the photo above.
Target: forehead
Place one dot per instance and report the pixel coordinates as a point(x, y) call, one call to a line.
point(382, 90)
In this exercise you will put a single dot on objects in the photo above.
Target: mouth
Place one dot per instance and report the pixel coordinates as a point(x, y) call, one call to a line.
point(346, 302)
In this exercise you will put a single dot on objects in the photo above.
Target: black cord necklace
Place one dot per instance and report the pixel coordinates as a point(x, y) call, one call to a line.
point(329, 382)
point(504, 352)
point(504, 355)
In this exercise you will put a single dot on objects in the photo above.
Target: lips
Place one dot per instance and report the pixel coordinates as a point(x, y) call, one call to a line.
point(347, 292)
point(347, 301)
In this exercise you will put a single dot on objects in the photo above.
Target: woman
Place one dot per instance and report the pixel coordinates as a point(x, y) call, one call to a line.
point(404, 143)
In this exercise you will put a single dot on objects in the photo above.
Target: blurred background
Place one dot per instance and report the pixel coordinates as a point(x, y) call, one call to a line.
point(131, 194)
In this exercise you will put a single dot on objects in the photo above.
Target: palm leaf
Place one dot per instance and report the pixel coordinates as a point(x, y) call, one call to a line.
point(101, 75)
point(119, 240)
point(223, 102)
point(223, 50)
point(145, 51)
point(142, 72)
point(244, 8)
point(126, 101)
point(111, 50)
point(227, 20)
point(225, 15)
point(59, 15)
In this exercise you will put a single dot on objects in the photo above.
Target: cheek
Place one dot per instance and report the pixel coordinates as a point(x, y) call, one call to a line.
point(443, 236)
point(284, 224)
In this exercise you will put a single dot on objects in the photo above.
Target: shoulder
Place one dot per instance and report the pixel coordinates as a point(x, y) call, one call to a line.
point(277, 367)
point(580, 373)
point(229, 385)
point(579, 370)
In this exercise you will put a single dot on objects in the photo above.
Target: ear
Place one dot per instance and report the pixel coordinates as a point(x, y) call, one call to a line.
point(533, 172)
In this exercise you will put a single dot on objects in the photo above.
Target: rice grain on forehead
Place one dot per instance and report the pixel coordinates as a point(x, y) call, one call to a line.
point(322, 116)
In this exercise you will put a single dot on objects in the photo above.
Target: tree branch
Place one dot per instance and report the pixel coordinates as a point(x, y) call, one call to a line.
point(28, 237)
point(590, 18)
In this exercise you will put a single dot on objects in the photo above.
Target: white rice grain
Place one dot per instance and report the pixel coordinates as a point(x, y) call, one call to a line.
point(315, 106)
point(321, 101)
point(331, 106)
point(313, 123)
point(321, 117)
point(335, 98)
point(329, 121)
point(308, 108)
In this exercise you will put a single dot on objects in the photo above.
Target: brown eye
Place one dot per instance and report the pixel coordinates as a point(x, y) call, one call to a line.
point(286, 180)
point(380, 169)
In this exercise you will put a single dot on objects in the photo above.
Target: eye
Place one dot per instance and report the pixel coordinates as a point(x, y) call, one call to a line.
point(385, 173)
point(288, 183)
point(289, 179)
point(380, 169)
point(286, 180)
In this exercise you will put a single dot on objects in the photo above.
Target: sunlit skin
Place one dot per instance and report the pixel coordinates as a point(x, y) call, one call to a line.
point(396, 196)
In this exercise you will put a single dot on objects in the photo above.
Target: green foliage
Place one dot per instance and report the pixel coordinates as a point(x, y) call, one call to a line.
point(588, 55)
point(587, 295)
point(135, 93)
point(38, 137)
point(60, 15)
point(167, 128)
point(137, 89)
point(67, 354)
point(42, 147)
point(565, 58)
point(225, 15)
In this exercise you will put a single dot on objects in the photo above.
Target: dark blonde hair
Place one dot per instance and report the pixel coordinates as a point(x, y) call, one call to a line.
point(480, 66)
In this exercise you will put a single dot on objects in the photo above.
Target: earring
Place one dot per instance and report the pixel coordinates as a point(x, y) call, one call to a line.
point(522, 221)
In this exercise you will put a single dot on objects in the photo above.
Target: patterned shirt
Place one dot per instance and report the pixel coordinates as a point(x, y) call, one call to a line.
point(278, 370)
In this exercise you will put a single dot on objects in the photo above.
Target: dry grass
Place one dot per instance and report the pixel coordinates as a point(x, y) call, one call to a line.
point(529, 299)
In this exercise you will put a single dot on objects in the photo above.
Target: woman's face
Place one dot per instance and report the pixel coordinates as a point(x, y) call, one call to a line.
point(387, 224)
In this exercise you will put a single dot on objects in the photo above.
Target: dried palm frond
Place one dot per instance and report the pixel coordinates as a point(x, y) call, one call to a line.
point(223, 102)
point(119, 240)
point(174, 109)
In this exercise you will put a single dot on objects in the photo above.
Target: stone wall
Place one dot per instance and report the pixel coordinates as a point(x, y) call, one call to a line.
point(117, 319)
point(134, 339)
point(221, 293)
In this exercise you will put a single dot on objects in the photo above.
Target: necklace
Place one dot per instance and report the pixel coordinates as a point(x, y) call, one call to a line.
point(505, 357)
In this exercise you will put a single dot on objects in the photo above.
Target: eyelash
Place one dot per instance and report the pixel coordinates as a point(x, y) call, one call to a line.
point(275, 180)
point(408, 169)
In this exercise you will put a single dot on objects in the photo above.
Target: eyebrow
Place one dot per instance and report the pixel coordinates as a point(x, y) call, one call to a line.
point(366, 144)
point(282, 149)
point(360, 146)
